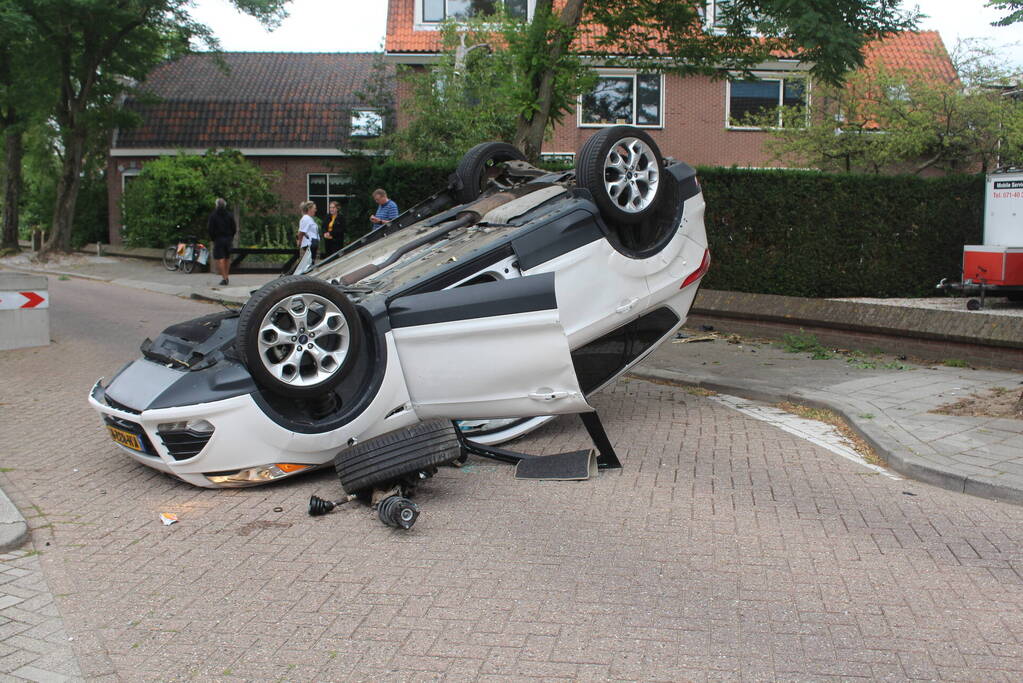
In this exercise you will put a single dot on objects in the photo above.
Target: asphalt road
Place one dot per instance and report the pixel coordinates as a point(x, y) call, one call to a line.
point(725, 550)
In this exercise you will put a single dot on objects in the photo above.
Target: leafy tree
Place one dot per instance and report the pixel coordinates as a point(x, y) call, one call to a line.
point(671, 36)
point(26, 88)
point(478, 89)
point(173, 196)
point(885, 121)
point(1014, 7)
point(100, 49)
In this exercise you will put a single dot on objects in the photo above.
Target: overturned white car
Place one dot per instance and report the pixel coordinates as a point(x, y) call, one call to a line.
point(511, 295)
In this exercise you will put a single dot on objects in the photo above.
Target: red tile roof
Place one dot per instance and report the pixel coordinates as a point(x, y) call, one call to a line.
point(922, 51)
point(262, 100)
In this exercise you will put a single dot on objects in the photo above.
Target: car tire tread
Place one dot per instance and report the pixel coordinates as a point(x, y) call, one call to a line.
point(390, 456)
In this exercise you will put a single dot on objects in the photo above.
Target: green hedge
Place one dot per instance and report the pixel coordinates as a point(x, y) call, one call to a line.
point(820, 235)
point(407, 183)
point(799, 233)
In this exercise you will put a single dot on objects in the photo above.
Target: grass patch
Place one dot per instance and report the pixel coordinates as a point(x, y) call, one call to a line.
point(954, 363)
point(832, 418)
point(64, 277)
point(802, 342)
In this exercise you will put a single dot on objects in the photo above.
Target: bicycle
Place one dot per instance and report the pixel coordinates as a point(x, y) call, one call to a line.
point(185, 254)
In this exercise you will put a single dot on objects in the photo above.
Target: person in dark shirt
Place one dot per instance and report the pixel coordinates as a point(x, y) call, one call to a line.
point(386, 212)
point(333, 230)
point(221, 228)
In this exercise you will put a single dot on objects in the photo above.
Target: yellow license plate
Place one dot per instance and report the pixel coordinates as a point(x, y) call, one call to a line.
point(126, 439)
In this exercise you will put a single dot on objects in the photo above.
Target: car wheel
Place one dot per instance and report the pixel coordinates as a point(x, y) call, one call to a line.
point(477, 164)
point(170, 258)
point(389, 457)
point(621, 167)
point(298, 336)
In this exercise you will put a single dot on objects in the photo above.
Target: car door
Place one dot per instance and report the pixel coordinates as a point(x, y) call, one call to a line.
point(495, 349)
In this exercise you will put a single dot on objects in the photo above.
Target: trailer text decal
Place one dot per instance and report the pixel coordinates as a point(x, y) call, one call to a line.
point(1009, 185)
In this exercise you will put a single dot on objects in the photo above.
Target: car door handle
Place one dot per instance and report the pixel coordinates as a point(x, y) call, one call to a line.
point(627, 306)
point(550, 395)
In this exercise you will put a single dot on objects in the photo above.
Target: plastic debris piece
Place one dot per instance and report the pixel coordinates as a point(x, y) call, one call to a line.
point(168, 518)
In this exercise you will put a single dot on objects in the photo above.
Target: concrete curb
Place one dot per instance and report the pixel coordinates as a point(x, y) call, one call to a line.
point(896, 457)
point(13, 527)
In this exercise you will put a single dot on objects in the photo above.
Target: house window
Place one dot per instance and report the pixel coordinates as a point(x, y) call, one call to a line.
point(367, 123)
point(751, 102)
point(710, 13)
point(634, 99)
point(324, 188)
point(434, 11)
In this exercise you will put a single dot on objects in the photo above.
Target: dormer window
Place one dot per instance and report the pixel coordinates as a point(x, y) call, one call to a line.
point(366, 123)
point(436, 11)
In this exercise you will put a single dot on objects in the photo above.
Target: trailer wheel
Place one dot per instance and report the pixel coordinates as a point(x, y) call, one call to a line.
point(973, 305)
point(1015, 297)
point(389, 457)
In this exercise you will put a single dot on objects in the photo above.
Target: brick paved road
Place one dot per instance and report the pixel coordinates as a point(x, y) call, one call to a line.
point(725, 549)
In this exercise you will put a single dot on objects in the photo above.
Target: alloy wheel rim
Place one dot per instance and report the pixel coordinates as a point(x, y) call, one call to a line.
point(304, 340)
point(631, 175)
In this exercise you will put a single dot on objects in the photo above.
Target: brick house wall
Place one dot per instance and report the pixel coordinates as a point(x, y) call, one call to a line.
point(693, 128)
point(291, 184)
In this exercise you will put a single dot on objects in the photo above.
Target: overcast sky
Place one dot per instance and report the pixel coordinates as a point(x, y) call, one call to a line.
point(358, 26)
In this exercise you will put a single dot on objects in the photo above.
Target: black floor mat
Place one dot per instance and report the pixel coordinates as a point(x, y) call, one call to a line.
point(573, 466)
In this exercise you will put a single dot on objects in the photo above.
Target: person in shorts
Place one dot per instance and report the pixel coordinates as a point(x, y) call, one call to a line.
point(221, 228)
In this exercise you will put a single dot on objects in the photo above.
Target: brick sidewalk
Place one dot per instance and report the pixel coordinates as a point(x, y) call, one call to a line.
point(724, 550)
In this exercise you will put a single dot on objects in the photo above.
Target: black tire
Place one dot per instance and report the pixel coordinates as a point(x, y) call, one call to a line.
point(1015, 297)
point(301, 384)
point(973, 305)
point(170, 257)
point(473, 168)
point(592, 174)
point(188, 265)
point(389, 457)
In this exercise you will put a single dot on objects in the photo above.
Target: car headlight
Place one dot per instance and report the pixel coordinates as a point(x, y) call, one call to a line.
point(257, 475)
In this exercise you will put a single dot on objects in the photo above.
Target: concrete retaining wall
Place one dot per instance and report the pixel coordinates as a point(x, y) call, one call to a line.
point(922, 333)
point(22, 327)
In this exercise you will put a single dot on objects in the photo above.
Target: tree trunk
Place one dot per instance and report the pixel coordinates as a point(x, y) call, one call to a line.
point(12, 188)
point(68, 184)
point(532, 126)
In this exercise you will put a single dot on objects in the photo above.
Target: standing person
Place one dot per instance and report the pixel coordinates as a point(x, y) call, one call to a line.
point(334, 230)
point(308, 230)
point(221, 227)
point(387, 210)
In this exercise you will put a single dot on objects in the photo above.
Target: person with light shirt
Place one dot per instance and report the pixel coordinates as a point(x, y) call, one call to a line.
point(386, 212)
point(308, 230)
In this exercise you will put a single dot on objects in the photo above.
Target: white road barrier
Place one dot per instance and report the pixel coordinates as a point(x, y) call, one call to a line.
point(24, 311)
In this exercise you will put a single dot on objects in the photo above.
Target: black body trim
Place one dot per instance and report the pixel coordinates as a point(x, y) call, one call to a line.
point(565, 233)
point(484, 300)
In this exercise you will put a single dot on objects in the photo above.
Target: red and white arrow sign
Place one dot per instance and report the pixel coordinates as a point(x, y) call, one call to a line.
point(14, 300)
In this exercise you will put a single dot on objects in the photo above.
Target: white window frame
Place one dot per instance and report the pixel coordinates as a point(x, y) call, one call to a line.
point(709, 15)
point(329, 195)
point(619, 73)
point(128, 173)
point(421, 25)
point(358, 113)
point(780, 77)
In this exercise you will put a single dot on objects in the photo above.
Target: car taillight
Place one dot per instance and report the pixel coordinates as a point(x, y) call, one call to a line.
point(699, 272)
